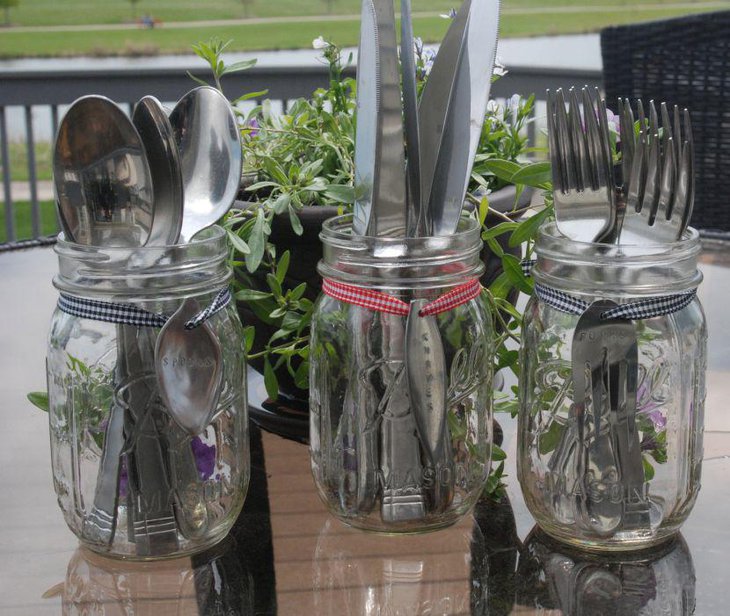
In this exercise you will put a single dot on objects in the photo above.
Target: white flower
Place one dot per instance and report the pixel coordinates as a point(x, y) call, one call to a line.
point(319, 43)
point(500, 70)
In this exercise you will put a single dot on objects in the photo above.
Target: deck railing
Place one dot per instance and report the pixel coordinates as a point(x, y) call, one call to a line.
point(23, 91)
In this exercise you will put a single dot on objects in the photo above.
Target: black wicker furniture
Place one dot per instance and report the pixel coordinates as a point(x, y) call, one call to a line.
point(685, 62)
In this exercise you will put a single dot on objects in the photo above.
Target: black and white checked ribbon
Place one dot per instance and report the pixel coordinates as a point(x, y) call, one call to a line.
point(642, 309)
point(128, 314)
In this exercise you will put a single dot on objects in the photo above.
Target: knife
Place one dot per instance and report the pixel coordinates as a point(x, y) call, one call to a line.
point(452, 125)
point(380, 187)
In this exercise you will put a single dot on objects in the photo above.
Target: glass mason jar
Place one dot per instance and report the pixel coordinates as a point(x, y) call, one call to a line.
point(133, 478)
point(400, 404)
point(612, 409)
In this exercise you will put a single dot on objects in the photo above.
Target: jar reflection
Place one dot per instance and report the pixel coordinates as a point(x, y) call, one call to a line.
point(459, 570)
point(553, 576)
point(214, 583)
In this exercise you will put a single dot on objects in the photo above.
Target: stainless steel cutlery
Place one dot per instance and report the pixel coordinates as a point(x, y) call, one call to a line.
point(601, 451)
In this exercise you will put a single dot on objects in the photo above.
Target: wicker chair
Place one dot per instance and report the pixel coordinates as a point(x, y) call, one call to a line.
point(684, 62)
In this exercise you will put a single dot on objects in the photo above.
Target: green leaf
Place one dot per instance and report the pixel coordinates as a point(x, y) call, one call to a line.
point(483, 210)
point(39, 399)
point(238, 243)
point(249, 334)
point(296, 224)
point(256, 243)
point(549, 440)
point(274, 284)
point(498, 454)
point(283, 267)
point(528, 229)
point(340, 194)
point(281, 203)
point(536, 175)
point(513, 269)
point(503, 169)
point(250, 95)
point(648, 469)
point(301, 376)
point(296, 293)
point(501, 287)
point(251, 295)
point(506, 358)
point(500, 229)
point(237, 67)
point(197, 80)
point(270, 381)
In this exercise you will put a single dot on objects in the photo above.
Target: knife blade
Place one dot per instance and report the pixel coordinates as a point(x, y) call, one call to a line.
point(380, 187)
point(458, 131)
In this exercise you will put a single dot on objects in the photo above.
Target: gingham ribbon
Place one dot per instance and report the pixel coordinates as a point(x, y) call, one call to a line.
point(382, 302)
point(128, 314)
point(642, 309)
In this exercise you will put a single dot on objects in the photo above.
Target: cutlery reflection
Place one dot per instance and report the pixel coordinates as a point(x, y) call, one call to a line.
point(552, 576)
point(214, 583)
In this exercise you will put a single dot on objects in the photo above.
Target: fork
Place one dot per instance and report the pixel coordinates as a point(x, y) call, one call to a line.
point(583, 178)
point(658, 180)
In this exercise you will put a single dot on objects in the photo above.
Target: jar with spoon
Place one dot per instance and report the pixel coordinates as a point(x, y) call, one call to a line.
point(613, 354)
point(145, 363)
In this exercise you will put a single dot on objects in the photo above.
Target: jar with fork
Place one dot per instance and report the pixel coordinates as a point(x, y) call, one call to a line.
point(612, 390)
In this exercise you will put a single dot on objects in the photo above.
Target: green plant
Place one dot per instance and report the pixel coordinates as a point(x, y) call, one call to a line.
point(306, 157)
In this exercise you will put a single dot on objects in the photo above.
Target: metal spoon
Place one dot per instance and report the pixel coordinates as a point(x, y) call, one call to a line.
point(210, 151)
point(103, 182)
point(163, 157)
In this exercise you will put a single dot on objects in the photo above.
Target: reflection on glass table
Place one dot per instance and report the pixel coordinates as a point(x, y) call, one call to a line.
point(552, 576)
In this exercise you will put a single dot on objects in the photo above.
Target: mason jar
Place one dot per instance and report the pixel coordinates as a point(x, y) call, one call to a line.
point(401, 359)
point(147, 391)
point(612, 390)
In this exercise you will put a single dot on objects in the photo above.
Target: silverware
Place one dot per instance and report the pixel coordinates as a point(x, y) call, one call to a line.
point(419, 224)
point(211, 157)
point(427, 378)
point(103, 184)
point(163, 157)
point(453, 109)
point(583, 179)
point(380, 186)
point(659, 189)
point(189, 367)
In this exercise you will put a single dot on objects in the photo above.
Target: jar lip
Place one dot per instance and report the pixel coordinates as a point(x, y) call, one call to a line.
point(549, 233)
point(207, 237)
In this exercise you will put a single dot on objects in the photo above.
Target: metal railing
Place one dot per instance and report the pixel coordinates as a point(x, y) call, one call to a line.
point(30, 90)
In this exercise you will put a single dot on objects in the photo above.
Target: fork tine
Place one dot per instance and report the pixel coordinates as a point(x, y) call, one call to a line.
point(691, 143)
point(653, 119)
point(636, 184)
point(555, 161)
point(642, 116)
point(628, 140)
point(667, 180)
point(578, 139)
point(666, 130)
point(678, 138)
point(563, 132)
point(683, 200)
point(651, 188)
point(593, 138)
point(605, 140)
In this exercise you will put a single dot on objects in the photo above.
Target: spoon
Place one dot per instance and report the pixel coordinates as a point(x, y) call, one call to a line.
point(211, 157)
point(103, 183)
point(163, 157)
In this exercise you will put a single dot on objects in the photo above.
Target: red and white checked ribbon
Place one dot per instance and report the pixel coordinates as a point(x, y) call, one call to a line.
point(382, 302)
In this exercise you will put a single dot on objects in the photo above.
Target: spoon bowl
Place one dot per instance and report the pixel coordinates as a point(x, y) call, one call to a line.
point(211, 157)
point(103, 183)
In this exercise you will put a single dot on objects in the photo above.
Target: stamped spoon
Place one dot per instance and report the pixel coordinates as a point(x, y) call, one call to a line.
point(211, 157)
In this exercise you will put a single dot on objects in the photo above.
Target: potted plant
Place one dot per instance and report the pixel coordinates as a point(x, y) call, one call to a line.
point(299, 169)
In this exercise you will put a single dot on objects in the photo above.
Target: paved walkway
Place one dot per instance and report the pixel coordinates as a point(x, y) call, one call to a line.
point(20, 191)
point(329, 18)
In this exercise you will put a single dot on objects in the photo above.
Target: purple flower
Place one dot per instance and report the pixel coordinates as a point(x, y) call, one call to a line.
point(650, 409)
point(204, 457)
point(251, 128)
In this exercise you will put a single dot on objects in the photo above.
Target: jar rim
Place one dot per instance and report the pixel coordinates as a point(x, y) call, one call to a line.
point(400, 262)
point(190, 269)
point(623, 270)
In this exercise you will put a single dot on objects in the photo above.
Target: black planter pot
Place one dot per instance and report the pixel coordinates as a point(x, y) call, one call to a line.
point(289, 415)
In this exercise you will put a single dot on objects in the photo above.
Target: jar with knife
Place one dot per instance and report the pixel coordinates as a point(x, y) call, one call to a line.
point(145, 363)
point(401, 347)
point(613, 354)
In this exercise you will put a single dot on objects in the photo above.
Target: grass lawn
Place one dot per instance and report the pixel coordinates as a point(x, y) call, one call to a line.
point(259, 36)
point(23, 225)
point(73, 12)
point(19, 161)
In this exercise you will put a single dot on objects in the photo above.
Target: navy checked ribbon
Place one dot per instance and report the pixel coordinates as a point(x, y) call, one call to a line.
point(642, 309)
point(128, 314)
